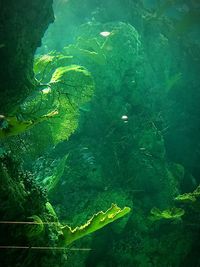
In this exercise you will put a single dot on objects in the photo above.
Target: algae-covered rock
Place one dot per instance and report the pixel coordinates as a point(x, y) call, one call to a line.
point(23, 26)
point(151, 142)
point(13, 191)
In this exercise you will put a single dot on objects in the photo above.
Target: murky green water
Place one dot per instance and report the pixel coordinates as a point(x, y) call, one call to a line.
point(114, 119)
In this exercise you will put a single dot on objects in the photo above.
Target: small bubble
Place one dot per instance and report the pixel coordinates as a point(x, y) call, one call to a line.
point(104, 34)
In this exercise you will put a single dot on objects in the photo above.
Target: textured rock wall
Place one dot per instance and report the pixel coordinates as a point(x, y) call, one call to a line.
point(22, 25)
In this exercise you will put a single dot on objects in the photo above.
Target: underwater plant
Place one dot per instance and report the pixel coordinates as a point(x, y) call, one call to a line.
point(36, 228)
point(54, 108)
point(168, 214)
point(66, 234)
point(14, 126)
point(45, 65)
point(111, 160)
point(189, 197)
point(88, 49)
point(50, 181)
point(98, 221)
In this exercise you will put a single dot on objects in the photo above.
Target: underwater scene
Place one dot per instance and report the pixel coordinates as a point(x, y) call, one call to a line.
point(100, 133)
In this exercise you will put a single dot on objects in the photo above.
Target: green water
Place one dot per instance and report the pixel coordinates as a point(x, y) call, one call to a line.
point(114, 118)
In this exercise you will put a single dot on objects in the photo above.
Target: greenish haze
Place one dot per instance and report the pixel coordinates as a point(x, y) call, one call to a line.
point(113, 117)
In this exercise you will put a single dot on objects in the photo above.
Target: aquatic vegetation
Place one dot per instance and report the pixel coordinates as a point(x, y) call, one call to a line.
point(36, 228)
point(45, 65)
point(41, 64)
point(88, 49)
point(151, 142)
point(52, 220)
point(76, 153)
point(189, 197)
point(15, 126)
point(15, 189)
point(66, 234)
point(119, 49)
point(75, 82)
point(168, 214)
point(51, 211)
point(75, 87)
point(98, 221)
point(50, 182)
point(53, 109)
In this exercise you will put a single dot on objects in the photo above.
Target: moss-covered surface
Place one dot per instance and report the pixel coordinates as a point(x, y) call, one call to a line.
point(22, 27)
